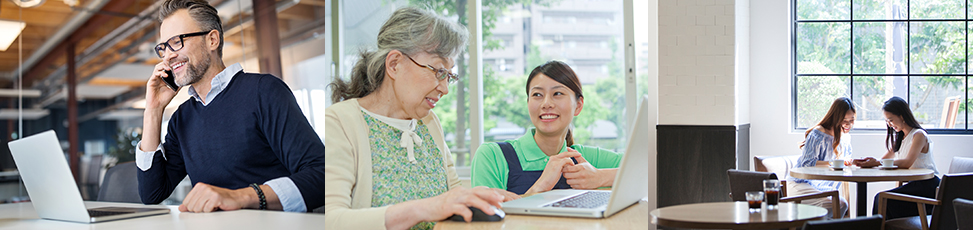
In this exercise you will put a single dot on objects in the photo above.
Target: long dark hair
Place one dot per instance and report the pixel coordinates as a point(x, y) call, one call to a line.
point(561, 73)
point(898, 106)
point(833, 119)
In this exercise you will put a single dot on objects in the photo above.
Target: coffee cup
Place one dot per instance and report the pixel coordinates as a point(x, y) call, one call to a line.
point(838, 164)
point(888, 162)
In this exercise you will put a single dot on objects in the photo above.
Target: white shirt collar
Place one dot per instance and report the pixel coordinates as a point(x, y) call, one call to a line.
point(217, 84)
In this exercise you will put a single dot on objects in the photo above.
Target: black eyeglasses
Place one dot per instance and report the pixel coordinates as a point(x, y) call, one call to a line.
point(440, 73)
point(175, 43)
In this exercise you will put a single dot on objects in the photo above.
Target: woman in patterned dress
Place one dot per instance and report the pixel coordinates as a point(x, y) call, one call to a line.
point(823, 143)
point(388, 166)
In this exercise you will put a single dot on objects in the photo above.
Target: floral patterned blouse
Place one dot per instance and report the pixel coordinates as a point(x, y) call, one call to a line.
point(394, 178)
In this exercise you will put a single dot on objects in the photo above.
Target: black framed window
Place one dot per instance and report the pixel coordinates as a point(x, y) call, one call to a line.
point(871, 50)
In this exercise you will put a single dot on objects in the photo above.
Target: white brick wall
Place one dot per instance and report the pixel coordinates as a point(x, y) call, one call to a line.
point(697, 68)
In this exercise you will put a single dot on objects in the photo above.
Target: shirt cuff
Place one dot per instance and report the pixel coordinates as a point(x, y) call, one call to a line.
point(288, 194)
point(144, 159)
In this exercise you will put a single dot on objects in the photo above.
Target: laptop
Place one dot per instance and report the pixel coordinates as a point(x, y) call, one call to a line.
point(630, 186)
point(51, 187)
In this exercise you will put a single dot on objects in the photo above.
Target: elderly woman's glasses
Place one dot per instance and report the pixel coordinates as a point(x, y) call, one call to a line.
point(175, 43)
point(440, 73)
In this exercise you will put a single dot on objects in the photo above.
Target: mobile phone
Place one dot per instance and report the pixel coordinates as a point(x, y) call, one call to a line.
point(170, 80)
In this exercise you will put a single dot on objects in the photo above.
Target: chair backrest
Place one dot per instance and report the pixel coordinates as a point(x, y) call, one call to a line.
point(780, 165)
point(961, 165)
point(861, 223)
point(121, 184)
point(745, 181)
point(952, 186)
point(963, 209)
point(94, 169)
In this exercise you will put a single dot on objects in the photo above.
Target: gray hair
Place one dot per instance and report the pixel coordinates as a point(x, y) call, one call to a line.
point(204, 14)
point(408, 30)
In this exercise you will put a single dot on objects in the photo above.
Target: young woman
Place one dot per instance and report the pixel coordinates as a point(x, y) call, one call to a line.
point(910, 146)
point(823, 143)
point(546, 157)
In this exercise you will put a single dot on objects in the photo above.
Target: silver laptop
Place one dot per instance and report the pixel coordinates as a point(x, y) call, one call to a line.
point(51, 187)
point(631, 183)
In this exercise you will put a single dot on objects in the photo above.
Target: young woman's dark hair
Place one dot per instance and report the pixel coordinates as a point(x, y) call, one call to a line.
point(563, 74)
point(898, 106)
point(833, 119)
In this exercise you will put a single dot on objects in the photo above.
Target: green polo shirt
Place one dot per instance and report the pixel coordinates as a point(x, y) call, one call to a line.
point(490, 166)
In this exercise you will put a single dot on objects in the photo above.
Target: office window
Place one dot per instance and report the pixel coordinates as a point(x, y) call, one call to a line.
point(578, 33)
point(871, 50)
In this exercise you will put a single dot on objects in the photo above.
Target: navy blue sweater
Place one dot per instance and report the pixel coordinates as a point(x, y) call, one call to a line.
point(252, 132)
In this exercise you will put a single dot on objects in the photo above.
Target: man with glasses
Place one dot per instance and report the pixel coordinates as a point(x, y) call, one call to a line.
point(242, 138)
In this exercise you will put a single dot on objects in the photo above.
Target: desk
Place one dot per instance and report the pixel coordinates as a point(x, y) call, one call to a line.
point(862, 176)
point(736, 215)
point(633, 217)
point(22, 216)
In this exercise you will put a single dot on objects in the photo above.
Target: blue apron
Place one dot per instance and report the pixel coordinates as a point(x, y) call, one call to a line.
point(518, 180)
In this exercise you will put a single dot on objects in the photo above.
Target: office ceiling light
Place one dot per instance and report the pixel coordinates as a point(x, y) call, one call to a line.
point(28, 3)
point(9, 31)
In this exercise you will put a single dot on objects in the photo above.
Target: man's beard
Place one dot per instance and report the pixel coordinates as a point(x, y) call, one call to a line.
point(195, 72)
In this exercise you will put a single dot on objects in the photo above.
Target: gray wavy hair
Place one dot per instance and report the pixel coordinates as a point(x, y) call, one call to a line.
point(409, 30)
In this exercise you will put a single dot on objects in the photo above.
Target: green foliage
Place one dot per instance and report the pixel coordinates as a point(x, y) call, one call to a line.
point(932, 48)
point(815, 94)
point(125, 144)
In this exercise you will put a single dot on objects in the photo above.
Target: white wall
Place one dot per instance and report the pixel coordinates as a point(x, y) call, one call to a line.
point(771, 132)
point(741, 52)
point(696, 62)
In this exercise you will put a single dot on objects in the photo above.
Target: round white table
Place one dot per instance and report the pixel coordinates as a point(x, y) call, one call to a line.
point(861, 176)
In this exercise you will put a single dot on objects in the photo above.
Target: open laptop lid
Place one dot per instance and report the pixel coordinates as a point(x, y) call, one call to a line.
point(632, 182)
point(47, 176)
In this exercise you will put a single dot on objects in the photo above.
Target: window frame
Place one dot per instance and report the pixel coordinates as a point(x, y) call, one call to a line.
point(850, 75)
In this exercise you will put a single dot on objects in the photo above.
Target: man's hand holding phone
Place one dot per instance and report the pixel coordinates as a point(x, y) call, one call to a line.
point(157, 96)
point(161, 87)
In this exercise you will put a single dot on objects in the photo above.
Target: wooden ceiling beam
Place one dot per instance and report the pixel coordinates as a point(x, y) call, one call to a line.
point(43, 66)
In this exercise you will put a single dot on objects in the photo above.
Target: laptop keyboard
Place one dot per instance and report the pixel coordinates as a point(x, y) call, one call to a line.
point(584, 200)
point(99, 213)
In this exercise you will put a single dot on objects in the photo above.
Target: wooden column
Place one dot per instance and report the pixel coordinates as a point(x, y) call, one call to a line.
point(268, 38)
point(73, 157)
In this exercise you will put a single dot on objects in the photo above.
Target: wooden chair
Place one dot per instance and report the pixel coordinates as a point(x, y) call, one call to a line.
point(861, 223)
point(743, 181)
point(951, 186)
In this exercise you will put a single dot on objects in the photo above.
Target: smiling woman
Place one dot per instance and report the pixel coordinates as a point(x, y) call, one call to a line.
point(546, 157)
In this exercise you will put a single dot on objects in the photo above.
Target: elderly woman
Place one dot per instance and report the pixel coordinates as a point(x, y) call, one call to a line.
point(387, 165)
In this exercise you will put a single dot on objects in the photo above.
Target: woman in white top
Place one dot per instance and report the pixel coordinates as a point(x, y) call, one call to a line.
point(910, 146)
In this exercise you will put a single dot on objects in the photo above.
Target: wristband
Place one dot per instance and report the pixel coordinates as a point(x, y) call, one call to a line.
point(260, 194)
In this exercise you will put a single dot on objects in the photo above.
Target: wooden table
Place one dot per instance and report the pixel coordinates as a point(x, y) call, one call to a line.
point(633, 217)
point(862, 176)
point(736, 215)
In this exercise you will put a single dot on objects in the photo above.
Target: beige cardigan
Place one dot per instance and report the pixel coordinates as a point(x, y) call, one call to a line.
point(348, 168)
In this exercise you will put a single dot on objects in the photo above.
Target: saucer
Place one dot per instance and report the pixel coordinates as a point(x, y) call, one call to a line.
point(837, 169)
point(890, 167)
